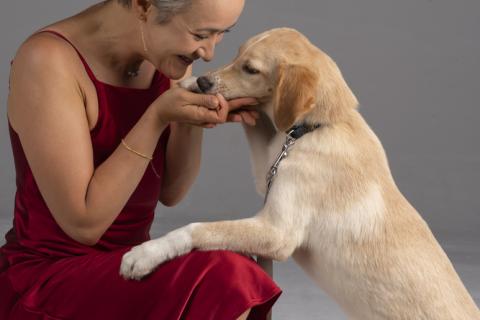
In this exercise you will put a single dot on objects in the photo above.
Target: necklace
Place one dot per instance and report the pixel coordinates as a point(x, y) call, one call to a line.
point(132, 73)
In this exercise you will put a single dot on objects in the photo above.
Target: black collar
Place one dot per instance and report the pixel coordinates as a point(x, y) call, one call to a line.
point(297, 131)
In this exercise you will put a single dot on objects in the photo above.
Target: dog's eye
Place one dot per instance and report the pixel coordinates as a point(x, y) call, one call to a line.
point(250, 70)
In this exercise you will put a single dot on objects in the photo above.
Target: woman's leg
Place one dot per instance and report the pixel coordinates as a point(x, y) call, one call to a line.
point(194, 286)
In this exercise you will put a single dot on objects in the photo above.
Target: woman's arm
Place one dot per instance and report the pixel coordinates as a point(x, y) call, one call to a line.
point(46, 108)
point(183, 158)
point(182, 162)
point(184, 149)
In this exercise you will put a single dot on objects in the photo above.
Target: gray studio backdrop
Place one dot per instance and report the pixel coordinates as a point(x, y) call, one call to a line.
point(413, 64)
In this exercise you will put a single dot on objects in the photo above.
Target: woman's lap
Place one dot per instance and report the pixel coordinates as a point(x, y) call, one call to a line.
point(200, 285)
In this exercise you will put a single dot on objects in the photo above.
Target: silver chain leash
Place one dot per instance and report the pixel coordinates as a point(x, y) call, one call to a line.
point(289, 141)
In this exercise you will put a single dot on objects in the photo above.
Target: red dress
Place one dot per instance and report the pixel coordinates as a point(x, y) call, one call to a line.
point(44, 274)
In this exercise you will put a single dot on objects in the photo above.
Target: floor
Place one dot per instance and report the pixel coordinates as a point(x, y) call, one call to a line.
point(303, 300)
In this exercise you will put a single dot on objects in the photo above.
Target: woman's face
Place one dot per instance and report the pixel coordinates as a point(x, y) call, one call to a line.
point(193, 34)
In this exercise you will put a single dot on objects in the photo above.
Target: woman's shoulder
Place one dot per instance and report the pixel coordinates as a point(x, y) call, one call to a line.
point(43, 65)
point(44, 50)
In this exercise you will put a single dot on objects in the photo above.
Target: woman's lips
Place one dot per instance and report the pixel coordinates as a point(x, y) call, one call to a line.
point(187, 61)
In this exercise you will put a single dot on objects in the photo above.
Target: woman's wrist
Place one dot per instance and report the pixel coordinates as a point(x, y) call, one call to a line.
point(160, 115)
point(187, 127)
point(187, 130)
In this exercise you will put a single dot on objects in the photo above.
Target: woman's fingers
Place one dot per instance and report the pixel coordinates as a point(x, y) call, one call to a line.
point(234, 117)
point(204, 115)
point(211, 110)
point(208, 125)
point(223, 107)
point(241, 102)
point(247, 118)
point(205, 100)
point(255, 114)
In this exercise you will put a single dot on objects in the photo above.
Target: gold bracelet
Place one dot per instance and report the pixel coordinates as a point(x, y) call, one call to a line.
point(136, 152)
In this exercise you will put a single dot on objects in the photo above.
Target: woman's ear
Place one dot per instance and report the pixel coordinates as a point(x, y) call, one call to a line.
point(295, 94)
point(142, 8)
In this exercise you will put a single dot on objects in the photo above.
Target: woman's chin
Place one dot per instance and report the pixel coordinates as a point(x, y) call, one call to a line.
point(175, 73)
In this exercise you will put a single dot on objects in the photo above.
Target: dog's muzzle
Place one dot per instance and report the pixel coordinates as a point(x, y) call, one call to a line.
point(204, 83)
point(190, 84)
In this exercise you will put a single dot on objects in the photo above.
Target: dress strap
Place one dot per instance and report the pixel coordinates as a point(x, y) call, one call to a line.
point(85, 64)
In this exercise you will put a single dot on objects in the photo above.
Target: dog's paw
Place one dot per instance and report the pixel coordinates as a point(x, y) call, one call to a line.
point(141, 260)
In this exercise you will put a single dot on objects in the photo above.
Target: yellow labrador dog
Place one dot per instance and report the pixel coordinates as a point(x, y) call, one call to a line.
point(333, 203)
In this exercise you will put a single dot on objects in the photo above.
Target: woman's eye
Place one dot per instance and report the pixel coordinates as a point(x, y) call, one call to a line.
point(200, 37)
point(248, 69)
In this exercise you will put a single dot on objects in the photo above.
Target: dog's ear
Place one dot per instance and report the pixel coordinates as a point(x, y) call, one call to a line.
point(295, 94)
point(335, 98)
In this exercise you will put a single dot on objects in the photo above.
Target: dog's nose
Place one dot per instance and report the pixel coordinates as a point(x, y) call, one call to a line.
point(204, 84)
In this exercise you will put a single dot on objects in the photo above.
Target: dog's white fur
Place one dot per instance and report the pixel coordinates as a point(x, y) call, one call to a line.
point(333, 205)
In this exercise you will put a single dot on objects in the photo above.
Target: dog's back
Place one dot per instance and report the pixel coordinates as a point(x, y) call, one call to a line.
point(367, 246)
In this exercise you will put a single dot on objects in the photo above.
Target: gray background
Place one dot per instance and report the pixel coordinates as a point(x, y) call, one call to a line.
point(414, 66)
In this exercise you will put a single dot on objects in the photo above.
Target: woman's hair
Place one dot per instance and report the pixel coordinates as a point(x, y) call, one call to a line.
point(167, 8)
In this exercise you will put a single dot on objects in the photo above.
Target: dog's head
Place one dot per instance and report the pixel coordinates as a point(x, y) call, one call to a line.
point(293, 80)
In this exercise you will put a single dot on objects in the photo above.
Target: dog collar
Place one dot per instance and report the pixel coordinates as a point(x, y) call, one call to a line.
point(294, 133)
point(297, 131)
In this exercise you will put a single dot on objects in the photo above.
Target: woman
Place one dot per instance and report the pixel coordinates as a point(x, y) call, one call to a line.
point(99, 137)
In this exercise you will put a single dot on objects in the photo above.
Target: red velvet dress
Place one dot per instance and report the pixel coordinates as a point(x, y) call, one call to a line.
point(44, 274)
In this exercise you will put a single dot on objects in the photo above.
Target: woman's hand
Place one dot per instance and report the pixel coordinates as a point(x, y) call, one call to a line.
point(182, 106)
point(237, 111)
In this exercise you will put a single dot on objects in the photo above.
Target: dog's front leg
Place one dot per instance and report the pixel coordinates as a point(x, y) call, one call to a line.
point(254, 236)
point(144, 258)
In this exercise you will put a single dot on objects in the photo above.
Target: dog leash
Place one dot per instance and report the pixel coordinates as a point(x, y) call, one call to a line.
point(293, 134)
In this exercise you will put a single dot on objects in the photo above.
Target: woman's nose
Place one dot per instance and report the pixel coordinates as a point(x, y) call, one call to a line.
point(207, 51)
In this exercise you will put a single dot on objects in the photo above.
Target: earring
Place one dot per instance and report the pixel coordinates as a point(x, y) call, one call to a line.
point(143, 37)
